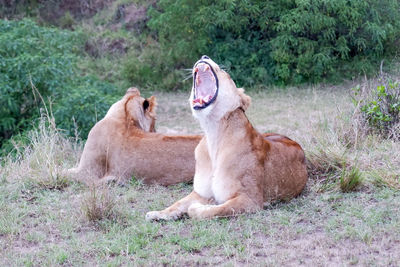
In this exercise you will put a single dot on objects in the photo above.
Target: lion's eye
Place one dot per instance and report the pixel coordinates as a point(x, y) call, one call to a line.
point(145, 104)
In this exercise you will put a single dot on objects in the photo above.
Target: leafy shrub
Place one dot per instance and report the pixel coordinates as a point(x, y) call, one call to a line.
point(30, 54)
point(314, 38)
point(380, 107)
point(83, 105)
point(38, 66)
point(232, 33)
point(277, 41)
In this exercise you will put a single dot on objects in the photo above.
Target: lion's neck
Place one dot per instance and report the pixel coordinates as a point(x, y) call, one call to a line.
point(216, 131)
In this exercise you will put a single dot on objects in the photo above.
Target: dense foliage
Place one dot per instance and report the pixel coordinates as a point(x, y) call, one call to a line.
point(287, 41)
point(30, 55)
point(38, 67)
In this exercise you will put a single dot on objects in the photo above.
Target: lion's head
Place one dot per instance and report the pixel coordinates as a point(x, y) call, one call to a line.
point(140, 112)
point(214, 92)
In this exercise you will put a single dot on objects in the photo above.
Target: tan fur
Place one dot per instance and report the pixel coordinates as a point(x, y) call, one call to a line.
point(124, 144)
point(237, 168)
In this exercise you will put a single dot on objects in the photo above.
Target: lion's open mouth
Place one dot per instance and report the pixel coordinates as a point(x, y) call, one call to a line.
point(205, 85)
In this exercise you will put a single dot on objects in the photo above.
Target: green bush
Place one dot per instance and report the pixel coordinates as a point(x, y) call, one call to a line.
point(316, 38)
point(30, 54)
point(278, 41)
point(380, 108)
point(38, 66)
point(231, 32)
point(83, 104)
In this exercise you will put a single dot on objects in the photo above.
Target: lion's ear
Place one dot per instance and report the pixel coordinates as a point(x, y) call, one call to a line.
point(151, 105)
point(245, 100)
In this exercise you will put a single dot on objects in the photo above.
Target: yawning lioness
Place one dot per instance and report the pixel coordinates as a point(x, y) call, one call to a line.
point(237, 168)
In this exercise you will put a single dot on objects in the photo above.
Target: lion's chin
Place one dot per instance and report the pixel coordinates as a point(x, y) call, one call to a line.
point(205, 85)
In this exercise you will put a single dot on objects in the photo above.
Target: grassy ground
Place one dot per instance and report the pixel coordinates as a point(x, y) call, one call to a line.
point(46, 220)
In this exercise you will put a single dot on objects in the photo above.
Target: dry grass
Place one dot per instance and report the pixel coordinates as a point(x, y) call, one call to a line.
point(40, 162)
point(98, 204)
point(323, 226)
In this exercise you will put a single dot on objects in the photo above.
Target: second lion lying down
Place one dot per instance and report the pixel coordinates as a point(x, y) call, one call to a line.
point(237, 168)
point(124, 144)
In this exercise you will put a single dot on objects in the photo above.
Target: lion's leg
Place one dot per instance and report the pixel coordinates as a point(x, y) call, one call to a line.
point(93, 161)
point(177, 209)
point(239, 204)
point(88, 168)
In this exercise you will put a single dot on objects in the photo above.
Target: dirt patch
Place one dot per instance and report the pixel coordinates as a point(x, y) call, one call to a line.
point(132, 17)
point(52, 11)
point(24, 247)
point(317, 248)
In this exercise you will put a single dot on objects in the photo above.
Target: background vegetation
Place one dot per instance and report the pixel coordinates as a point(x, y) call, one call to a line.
point(62, 64)
point(79, 56)
point(39, 71)
point(279, 41)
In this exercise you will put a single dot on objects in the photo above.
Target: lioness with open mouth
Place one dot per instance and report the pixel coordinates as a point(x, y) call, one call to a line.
point(124, 144)
point(237, 168)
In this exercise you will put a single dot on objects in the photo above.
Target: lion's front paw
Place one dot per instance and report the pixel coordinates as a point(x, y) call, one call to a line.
point(198, 211)
point(154, 216)
point(160, 215)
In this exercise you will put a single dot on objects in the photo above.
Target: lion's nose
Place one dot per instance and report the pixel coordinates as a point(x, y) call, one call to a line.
point(205, 57)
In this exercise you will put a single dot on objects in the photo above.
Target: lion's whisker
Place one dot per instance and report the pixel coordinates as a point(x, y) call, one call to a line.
point(187, 74)
point(187, 77)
